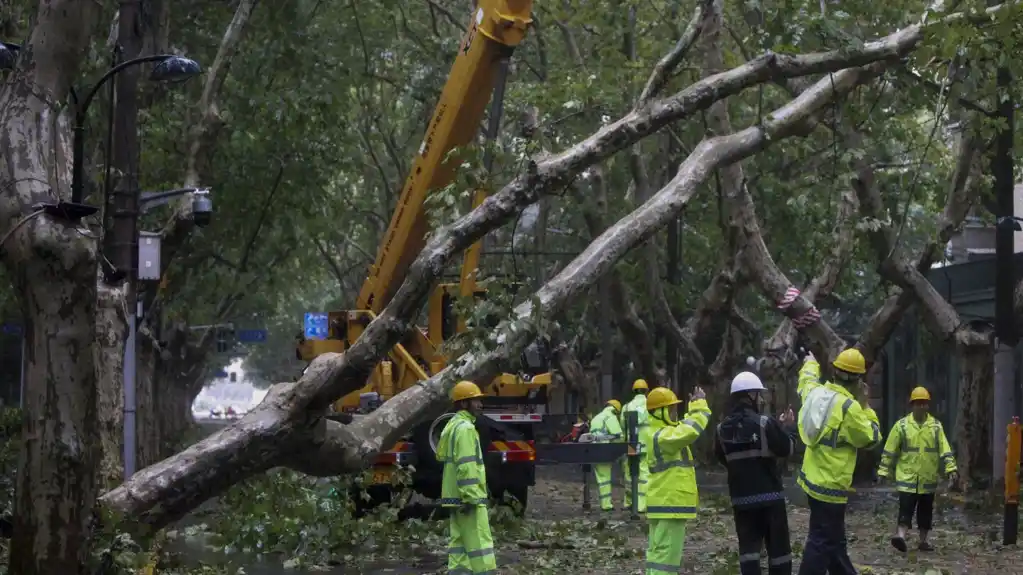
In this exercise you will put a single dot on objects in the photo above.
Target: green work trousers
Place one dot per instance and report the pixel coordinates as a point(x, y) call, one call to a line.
point(644, 476)
point(471, 550)
point(667, 539)
point(602, 471)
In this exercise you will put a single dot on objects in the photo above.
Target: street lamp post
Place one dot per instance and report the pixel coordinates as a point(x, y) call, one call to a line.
point(169, 68)
point(202, 211)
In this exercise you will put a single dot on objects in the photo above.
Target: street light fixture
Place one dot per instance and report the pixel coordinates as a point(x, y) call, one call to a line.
point(169, 68)
point(202, 205)
point(8, 55)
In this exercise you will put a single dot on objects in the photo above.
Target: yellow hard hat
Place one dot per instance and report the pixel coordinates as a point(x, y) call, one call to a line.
point(465, 390)
point(615, 404)
point(851, 360)
point(661, 397)
point(920, 394)
point(639, 384)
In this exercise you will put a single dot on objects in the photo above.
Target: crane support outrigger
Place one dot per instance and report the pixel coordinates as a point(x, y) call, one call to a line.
point(514, 403)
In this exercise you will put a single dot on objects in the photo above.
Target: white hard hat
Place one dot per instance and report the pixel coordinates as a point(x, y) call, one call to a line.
point(746, 381)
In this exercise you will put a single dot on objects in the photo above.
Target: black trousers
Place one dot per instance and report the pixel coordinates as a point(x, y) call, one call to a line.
point(757, 527)
point(922, 504)
point(826, 550)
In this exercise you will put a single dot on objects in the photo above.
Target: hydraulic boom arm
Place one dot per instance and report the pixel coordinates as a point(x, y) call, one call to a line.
point(497, 26)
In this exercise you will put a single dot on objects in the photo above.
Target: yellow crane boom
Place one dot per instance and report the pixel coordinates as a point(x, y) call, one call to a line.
point(495, 29)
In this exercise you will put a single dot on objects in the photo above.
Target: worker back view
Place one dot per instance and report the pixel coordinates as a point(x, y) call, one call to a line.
point(916, 450)
point(834, 421)
point(638, 406)
point(749, 445)
point(672, 499)
point(605, 428)
point(464, 486)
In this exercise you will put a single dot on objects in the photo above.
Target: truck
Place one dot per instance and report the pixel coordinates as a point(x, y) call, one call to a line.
point(515, 403)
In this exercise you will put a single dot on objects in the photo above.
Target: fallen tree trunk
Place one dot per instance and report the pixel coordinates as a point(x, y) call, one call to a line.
point(289, 420)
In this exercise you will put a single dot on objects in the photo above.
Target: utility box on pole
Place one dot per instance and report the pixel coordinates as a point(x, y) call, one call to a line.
point(149, 256)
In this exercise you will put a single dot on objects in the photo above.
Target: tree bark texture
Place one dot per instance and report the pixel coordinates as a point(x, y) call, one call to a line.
point(973, 420)
point(53, 266)
point(635, 332)
point(111, 326)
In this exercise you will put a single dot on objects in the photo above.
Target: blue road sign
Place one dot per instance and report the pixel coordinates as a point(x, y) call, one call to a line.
point(315, 326)
point(11, 329)
point(220, 373)
point(251, 335)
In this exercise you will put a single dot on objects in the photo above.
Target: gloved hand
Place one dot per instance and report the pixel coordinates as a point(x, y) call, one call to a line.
point(787, 416)
point(809, 357)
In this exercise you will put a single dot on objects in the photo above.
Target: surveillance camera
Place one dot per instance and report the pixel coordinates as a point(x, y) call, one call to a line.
point(202, 207)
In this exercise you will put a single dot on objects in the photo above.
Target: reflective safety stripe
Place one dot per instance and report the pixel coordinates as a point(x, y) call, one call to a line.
point(692, 424)
point(669, 509)
point(481, 552)
point(456, 501)
point(749, 557)
point(759, 498)
point(775, 561)
point(826, 491)
point(455, 550)
point(662, 567)
point(757, 452)
point(937, 441)
point(660, 465)
point(467, 482)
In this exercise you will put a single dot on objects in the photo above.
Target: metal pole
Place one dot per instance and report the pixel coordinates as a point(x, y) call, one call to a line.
point(24, 347)
point(129, 393)
point(1010, 520)
point(586, 485)
point(1005, 336)
point(632, 422)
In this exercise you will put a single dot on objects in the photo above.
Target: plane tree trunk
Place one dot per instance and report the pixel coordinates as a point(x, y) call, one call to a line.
point(53, 267)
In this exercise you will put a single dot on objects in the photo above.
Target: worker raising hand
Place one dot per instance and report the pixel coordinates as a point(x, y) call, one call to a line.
point(787, 416)
point(697, 394)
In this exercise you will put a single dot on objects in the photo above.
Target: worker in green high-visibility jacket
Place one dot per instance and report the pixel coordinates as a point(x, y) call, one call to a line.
point(464, 486)
point(605, 429)
point(914, 453)
point(638, 405)
point(672, 499)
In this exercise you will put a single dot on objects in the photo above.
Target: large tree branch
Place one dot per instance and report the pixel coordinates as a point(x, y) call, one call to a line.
point(347, 448)
point(287, 419)
point(939, 315)
point(634, 330)
point(167, 490)
point(778, 349)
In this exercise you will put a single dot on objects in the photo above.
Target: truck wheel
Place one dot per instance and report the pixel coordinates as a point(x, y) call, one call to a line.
point(516, 497)
point(520, 498)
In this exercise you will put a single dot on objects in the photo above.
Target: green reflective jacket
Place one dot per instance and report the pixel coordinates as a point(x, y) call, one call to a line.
point(830, 458)
point(671, 491)
point(637, 404)
point(914, 452)
point(465, 478)
point(606, 424)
